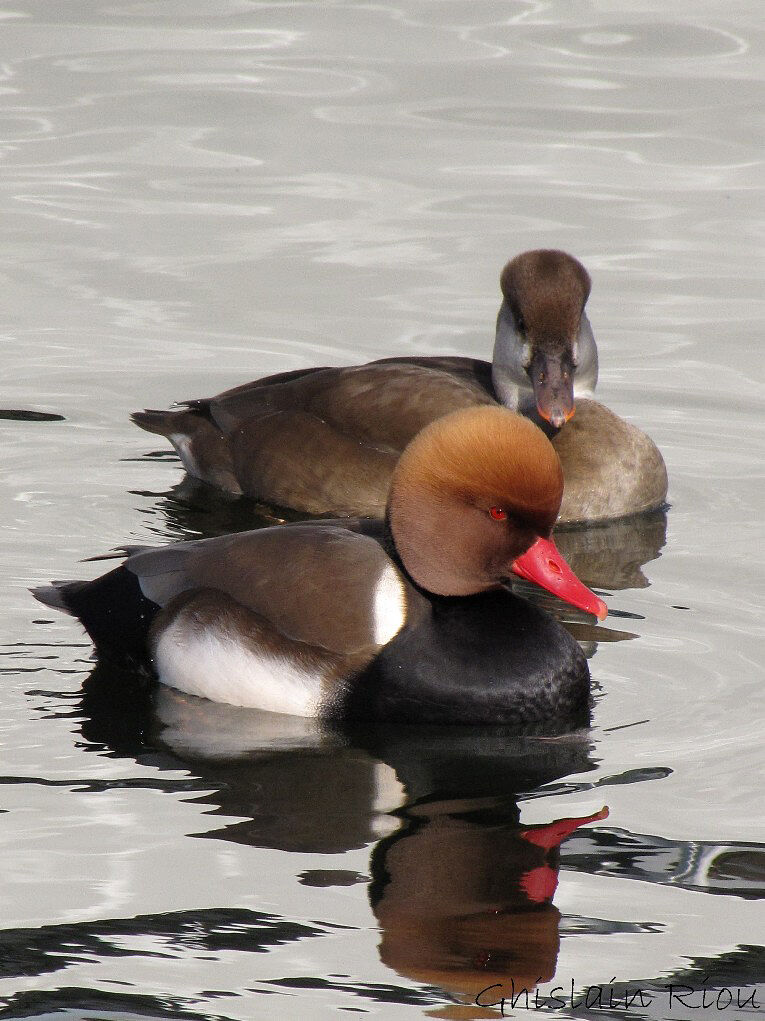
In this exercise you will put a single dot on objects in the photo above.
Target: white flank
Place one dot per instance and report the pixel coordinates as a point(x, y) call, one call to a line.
point(389, 605)
point(215, 666)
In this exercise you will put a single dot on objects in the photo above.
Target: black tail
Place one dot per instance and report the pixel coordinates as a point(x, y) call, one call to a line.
point(160, 422)
point(55, 594)
point(115, 612)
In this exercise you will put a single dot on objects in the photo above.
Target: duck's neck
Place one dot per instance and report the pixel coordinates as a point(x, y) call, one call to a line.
point(512, 357)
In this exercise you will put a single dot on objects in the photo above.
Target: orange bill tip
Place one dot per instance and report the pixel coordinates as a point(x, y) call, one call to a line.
point(547, 415)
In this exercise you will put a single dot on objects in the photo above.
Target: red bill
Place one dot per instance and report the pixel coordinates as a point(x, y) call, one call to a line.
point(544, 565)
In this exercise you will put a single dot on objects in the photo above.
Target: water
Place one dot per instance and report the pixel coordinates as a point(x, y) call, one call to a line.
point(197, 193)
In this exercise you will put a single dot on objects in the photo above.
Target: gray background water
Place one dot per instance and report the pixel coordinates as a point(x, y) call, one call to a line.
point(197, 193)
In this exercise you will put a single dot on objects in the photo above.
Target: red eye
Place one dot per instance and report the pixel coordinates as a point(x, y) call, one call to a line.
point(498, 513)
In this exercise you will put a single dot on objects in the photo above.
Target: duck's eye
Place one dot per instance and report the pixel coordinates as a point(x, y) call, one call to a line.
point(498, 513)
point(521, 324)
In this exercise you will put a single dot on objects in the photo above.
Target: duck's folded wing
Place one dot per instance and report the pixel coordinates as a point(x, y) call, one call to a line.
point(387, 404)
point(294, 458)
point(382, 403)
point(285, 391)
point(475, 371)
point(323, 586)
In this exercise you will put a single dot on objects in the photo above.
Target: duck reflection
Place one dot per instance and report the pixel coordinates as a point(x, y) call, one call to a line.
point(194, 510)
point(293, 786)
point(608, 558)
point(462, 891)
point(612, 556)
point(464, 899)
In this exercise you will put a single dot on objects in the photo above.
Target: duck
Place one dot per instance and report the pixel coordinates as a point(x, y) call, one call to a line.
point(405, 618)
point(325, 440)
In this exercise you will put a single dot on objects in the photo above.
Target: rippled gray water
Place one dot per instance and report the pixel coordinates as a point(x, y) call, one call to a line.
point(197, 193)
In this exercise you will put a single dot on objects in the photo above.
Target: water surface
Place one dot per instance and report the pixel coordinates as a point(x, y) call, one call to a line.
point(198, 193)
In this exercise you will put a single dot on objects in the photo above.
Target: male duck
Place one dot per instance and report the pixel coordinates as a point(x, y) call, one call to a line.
point(402, 619)
point(326, 440)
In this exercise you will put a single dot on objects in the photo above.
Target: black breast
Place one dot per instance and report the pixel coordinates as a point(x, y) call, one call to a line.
point(488, 659)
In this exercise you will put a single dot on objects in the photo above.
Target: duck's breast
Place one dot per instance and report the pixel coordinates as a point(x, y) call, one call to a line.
point(488, 659)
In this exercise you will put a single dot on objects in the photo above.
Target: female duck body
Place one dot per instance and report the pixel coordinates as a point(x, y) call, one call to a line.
point(326, 440)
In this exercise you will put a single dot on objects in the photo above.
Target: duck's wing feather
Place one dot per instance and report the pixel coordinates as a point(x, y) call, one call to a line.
point(322, 585)
point(475, 371)
point(294, 458)
point(381, 404)
point(323, 440)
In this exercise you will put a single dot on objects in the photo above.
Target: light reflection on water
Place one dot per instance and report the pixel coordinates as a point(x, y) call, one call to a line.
point(197, 194)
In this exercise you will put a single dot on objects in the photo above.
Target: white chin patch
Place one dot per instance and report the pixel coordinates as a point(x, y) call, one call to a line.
point(213, 665)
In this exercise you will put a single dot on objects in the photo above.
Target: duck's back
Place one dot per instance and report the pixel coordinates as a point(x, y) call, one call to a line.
point(384, 403)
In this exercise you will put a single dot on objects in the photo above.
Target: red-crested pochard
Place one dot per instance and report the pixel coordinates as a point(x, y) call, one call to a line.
point(326, 440)
point(406, 618)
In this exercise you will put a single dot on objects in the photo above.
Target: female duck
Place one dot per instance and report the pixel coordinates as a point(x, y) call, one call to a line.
point(326, 440)
point(404, 619)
